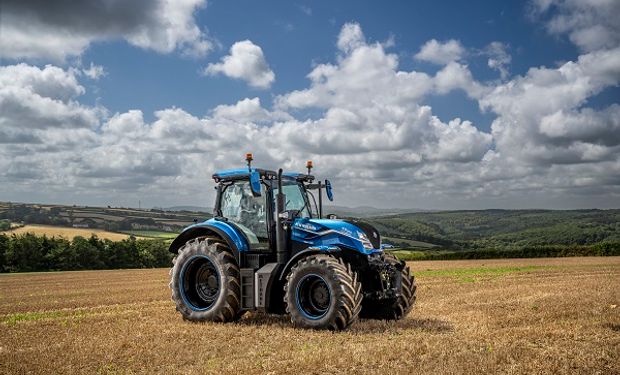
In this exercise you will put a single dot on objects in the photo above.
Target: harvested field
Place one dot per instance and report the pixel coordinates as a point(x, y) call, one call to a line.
point(69, 233)
point(557, 316)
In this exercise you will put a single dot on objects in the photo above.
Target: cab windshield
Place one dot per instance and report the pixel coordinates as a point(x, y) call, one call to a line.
point(295, 198)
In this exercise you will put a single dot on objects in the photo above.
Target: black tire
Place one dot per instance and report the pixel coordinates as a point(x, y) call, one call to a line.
point(393, 309)
point(311, 280)
point(204, 281)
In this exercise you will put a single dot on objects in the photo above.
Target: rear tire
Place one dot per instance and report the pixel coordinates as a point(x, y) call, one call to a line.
point(205, 282)
point(393, 309)
point(322, 292)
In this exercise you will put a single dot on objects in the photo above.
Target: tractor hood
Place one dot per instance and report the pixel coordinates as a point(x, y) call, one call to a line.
point(352, 234)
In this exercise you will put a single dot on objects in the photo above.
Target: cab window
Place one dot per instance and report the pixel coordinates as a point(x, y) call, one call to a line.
point(242, 208)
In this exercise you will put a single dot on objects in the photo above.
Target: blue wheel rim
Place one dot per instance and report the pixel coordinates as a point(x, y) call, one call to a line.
point(199, 283)
point(313, 296)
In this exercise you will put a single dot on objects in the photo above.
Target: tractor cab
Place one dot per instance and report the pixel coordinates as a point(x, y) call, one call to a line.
point(247, 199)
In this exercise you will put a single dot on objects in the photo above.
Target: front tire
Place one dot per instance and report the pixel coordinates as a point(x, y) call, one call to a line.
point(205, 282)
point(322, 292)
point(397, 308)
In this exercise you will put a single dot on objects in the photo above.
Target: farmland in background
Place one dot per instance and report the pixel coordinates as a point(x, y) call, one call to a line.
point(526, 316)
point(112, 219)
point(65, 232)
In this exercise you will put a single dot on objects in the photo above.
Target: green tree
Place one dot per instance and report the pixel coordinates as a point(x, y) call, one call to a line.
point(126, 254)
point(62, 256)
point(4, 246)
point(154, 253)
point(87, 254)
point(24, 254)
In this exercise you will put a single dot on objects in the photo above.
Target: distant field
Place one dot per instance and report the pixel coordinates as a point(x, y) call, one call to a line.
point(523, 316)
point(102, 218)
point(68, 233)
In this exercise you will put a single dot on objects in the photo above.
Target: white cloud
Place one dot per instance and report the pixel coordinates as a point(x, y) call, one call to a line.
point(246, 62)
point(499, 59)
point(458, 141)
point(441, 53)
point(94, 72)
point(55, 30)
point(586, 125)
point(457, 76)
point(248, 110)
point(590, 24)
point(351, 37)
point(530, 109)
point(365, 76)
point(35, 98)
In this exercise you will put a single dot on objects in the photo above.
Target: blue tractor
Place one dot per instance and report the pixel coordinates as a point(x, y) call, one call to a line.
point(268, 248)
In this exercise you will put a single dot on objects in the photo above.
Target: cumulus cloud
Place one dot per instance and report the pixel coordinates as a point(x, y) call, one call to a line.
point(35, 98)
point(246, 62)
point(365, 76)
point(599, 128)
point(56, 29)
point(248, 110)
point(590, 24)
point(457, 76)
point(351, 37)
point(532, 112)
point(441, 52)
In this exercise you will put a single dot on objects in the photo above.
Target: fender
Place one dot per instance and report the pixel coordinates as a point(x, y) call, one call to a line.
point(235, 240)
point(304, 253)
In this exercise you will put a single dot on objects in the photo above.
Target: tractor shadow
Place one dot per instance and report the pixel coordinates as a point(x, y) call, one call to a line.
point(363, 326)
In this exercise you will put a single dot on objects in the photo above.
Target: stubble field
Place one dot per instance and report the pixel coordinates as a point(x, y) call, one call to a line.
point(66, 232)
point(556, 316)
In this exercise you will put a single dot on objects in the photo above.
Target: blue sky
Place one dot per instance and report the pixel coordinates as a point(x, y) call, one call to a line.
point(435, 105)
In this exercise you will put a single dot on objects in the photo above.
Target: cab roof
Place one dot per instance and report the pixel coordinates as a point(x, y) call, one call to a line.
point(243, 173)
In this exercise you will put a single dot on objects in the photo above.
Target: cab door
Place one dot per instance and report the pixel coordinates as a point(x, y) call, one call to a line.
point(247, 212)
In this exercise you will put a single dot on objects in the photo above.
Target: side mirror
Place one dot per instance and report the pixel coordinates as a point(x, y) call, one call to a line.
point(255, 183)
point(328, 190)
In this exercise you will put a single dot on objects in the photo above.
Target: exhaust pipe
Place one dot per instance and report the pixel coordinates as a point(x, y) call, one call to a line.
point(282, 253)
point(320, 200)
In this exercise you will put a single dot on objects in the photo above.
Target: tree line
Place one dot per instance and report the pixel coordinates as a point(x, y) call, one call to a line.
point(29, 253)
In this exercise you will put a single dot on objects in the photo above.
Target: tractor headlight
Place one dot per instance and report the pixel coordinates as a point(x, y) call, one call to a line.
point(365, 241)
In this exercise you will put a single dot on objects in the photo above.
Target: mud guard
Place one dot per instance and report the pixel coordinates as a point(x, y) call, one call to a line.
point(235, 240)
